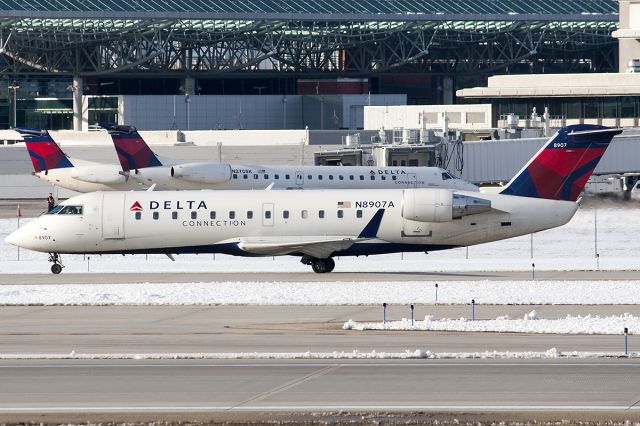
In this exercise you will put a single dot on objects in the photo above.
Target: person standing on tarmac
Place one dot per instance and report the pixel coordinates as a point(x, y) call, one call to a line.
point(50, 202)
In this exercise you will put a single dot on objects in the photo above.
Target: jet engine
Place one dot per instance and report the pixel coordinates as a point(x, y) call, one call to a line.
point(440, 205)
point(202, 172)
point(97, 174)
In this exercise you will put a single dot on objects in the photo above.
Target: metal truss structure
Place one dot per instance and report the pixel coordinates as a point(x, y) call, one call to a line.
point(291, 39)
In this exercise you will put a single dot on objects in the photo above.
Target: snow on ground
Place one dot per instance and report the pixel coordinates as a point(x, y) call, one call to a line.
point(328, 293)
point(570, 247)
point(552, 353)
point(531, 323)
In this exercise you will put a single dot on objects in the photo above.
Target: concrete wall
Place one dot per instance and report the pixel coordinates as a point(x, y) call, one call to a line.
point(471, 117)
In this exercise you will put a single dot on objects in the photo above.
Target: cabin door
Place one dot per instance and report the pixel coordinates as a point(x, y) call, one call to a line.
point(412, 182)
point(267, 214)
point(113, 215)
point(299, 178)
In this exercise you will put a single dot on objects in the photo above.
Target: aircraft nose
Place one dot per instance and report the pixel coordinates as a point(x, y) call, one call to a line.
point(16, 238)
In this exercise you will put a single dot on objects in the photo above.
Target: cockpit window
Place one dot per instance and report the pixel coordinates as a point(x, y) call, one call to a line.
point(447, 175)
point(71, 210)
point(55, 210)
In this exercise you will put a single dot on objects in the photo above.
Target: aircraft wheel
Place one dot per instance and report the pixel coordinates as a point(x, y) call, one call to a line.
point(330, 264)
point(319, 266)
point(56, 268)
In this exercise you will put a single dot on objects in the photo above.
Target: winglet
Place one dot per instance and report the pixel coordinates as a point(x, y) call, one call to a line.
point(560, 170)
point(371, 230)
point(133, 151)
point(44, 152)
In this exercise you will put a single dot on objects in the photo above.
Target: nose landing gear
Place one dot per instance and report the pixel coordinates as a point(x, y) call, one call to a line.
point(57, 266)
point(319, 266)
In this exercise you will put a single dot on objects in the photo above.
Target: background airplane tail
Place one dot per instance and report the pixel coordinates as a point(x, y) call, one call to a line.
point(44, 152)
point(133, 151)
point(560, 170)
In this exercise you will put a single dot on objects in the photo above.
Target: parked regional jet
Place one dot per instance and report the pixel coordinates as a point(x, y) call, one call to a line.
point(318, 225)
point(53, 165)
point(143, 165)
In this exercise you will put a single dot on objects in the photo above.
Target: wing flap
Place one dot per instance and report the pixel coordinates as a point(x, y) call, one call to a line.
point(318, 247)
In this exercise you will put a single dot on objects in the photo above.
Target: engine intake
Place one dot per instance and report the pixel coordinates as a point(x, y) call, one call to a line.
point(440, 205)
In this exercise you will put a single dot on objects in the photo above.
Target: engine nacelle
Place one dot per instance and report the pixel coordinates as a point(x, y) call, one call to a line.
point(98, 174)
point(202, 172)
point(440, 205)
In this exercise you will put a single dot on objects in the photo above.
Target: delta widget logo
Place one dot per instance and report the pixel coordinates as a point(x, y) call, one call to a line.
point(136, 207)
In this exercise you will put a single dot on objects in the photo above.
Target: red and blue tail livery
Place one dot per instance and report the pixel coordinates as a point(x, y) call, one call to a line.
point(44, 152)
point(133, 151)
point(560, 170)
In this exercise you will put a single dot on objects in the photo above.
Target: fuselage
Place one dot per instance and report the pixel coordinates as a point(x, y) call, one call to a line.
point(237, 177)
point(253, 223)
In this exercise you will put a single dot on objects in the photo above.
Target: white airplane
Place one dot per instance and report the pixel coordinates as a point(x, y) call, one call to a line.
point(318, 225)
point(139, 162)
point(53, 165)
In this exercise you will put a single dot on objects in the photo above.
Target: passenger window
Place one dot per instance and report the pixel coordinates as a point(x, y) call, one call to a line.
point(138, 215)
point(276, 177)
point(341, 177)
point(194, 215)
point(267, 214)
point(394, 177)
point(255, 176)
point(245, 176)
point(232, 214)
point(285, 214)
point(340, 214)
point(359, 214)
point(351, 177)
point(249, 214)
point(373, 177)
point(174, 215)
point(235, 176)
point(156, 215)
point(212, 215)
point(266, 176)
point(309, 177)
point(361, 177)
point(383, 177)
point(321, 214)
point(287, 177)
point(319, 177)
point(305, 214)
point(330, 177)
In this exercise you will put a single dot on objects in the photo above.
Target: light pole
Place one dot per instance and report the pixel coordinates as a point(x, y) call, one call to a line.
point(14, 86)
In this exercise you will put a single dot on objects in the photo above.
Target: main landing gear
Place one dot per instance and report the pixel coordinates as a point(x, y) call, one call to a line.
point(57, 266)
point(319, 266)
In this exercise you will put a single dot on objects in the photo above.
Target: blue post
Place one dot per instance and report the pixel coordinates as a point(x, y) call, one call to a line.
point(533, 271)
point(384, 313)
point(436, 292)
point(626, 335)
point(473, 309)
point(412, 323)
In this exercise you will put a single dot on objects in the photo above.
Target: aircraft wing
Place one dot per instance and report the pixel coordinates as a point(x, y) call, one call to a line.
point(318, 247)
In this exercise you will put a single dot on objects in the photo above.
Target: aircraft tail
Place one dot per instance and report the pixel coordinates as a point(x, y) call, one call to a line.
point(133, 151)
point(560, 170)
point(44, 152)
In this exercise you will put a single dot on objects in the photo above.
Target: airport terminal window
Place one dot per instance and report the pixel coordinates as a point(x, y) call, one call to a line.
point(413, 162)
point(212, 215)
point(249, 214)
point(627, 107)
point(305, 214)
point(156, 215)
point(174, 215)
point(71, 210)
point(321, 214)
point(232, 214)
point(359, 214)
point(138, 215)
point(340, 214)
point(285, 214)
point(194, 215)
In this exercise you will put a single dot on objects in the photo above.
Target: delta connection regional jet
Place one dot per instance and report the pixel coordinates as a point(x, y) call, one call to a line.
point(319, 225)
point(141, 168)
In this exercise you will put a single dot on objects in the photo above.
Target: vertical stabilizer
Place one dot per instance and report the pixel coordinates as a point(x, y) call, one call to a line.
point(44, 152)
point(560, 170)
point(133, 151)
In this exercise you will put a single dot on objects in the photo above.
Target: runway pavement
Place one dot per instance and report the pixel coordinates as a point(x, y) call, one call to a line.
point(275, 329)
point(182, 277)
point(319, 386)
